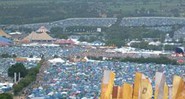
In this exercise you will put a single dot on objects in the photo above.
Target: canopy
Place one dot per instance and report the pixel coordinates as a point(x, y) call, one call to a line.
point(56, 60)
point(2, 39)
point(179, 50)
point(2, 33)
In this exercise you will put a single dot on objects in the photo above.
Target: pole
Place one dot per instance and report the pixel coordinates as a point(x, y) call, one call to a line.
point(15, 78)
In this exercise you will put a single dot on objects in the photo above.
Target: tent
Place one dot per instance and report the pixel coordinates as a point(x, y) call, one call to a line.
point(2, 39)
point(2, 33)
point(179, 50)
point(42, 29)
point(56, 60)
point(63, 41)
point(38, 37)
point(4, 44)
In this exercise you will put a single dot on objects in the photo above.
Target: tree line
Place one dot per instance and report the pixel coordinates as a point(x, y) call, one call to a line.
point(28, 75)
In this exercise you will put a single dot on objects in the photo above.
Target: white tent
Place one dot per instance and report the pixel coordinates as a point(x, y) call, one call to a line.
point(56, 60)
point(38, 98)
point(34, 59)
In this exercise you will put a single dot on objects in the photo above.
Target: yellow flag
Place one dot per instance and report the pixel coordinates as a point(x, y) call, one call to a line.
point(126, 91)
point(182, 93)
point(107, 85)
point(146, 89)
point(165, 95)
point(178, 90)
point(137, 83)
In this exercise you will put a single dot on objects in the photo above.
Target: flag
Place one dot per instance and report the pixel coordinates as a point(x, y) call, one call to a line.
point(178, 90)
point(116, 92)
point(107, 85)
point(126, 91)
point(145, 89)
point(159, 85)
point(165, 94)
point(137, 83)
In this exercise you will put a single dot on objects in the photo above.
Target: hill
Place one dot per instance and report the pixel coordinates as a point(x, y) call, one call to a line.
point(34, 11)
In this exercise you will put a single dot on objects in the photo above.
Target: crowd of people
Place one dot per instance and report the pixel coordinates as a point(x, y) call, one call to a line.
point(83, 79)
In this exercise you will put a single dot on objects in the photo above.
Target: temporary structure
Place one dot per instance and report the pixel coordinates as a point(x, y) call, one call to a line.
point(38, 37)
point(42, 29)
point(2, 33)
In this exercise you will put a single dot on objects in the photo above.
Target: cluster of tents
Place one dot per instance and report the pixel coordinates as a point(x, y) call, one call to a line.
point(142, 87)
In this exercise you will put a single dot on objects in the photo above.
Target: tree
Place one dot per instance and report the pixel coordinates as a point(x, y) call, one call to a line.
point(28, 79)
point(5, 55)
point(14, 55)
point(6, 96)
point(55, 56)
point(175, 12)
point(56, 30)
point(82, 39)
point(16, 68)
point(31, 56)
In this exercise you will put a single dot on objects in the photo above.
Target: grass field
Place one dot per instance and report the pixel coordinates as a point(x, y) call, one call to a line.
point(31, 11)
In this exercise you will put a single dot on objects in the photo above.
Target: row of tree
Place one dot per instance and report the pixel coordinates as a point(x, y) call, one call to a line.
point(118, 35)
point(146, 46)
point(160, 60)
point(6, 55)
point(6, 96)
point(27, 75)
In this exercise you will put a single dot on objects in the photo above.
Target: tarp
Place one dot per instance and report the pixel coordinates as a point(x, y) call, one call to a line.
point(38, 98)
point(2, 39)
point(179, 50)
point(2, 33)
point(56, 60)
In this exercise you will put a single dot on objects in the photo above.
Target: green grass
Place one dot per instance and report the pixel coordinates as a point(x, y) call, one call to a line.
point(23, 2)
point(34, 11)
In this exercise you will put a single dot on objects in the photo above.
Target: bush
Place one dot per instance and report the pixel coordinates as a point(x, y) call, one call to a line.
point(160, 60)
point(18, 67)
point(6, 96)
point(5, 55)
point(28, 79)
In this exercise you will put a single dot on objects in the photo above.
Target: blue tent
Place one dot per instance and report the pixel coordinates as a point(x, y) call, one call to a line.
point(5, 40)
point(179, 50)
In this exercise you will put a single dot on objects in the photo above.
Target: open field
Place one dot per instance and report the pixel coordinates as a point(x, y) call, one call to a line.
point(34, 11)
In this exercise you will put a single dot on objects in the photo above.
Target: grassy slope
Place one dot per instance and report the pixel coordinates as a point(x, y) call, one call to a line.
point(30, 11)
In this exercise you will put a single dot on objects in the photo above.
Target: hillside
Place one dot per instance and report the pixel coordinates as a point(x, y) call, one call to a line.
point(34, 11)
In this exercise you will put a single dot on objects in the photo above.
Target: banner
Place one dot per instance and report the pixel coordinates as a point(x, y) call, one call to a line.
point(178, 90)
point(166, 91)
point(146, 89)
point(137, 83)
point(107, 85)
point(159, 85)
point(126, 91)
